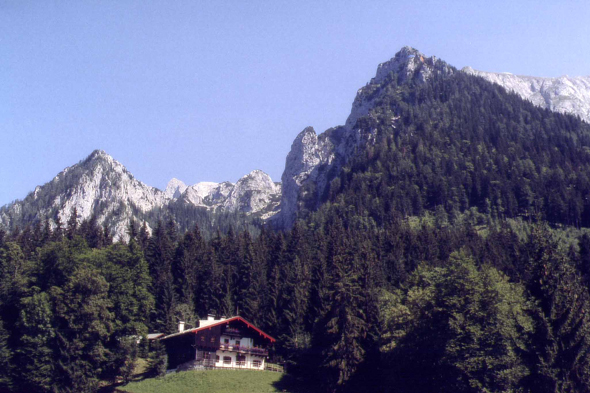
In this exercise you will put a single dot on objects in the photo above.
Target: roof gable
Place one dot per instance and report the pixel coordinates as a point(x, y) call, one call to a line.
point(227, 321)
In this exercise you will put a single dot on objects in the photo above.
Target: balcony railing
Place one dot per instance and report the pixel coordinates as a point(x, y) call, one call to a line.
point(239, 348)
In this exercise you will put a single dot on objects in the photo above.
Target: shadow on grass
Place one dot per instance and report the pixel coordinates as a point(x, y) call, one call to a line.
point(297, 383)
point(119, 386)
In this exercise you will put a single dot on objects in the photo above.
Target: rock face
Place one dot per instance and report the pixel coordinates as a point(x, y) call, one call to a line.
point(253, 193)
point(98, 185)
point(564, 94)
point(175, 188)
point(315, 160)
point(101, 186)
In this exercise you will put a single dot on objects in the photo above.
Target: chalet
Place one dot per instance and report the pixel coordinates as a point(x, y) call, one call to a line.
point(225, 342)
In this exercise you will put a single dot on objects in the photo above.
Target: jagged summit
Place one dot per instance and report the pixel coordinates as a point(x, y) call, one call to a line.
point(102, 187)
point(407, 64)
point(175, 188)
point(410, 62)
point(99, 153)
point(99, 156)
point(315, 159)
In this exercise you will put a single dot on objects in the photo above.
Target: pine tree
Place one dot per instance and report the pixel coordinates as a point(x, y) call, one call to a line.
point(345, 320)
point(58, 230)
point(160, 254)
point(72, 224)
point(294, 298)
point(188, 257)
point(271, 309)
point(143, 236)
point(249, 285)
point(562, 339)
point(47, 232)
point(132, 230)
point(158, 360)
point(6, 361)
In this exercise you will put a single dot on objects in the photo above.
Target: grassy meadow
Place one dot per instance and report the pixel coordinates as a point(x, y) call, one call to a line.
point(211, 381)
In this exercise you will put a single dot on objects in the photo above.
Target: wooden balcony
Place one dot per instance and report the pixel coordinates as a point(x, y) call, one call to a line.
point(241, 349)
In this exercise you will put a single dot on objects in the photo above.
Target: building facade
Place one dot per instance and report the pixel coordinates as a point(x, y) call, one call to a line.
point(223, 343)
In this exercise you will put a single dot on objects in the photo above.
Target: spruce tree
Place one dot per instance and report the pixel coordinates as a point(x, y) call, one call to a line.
point(249, 283)
point(6, 361)
point(72, 228)
point(562, 338)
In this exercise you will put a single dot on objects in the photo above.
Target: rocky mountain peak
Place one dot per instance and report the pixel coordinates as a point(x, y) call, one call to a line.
point(314, 159)
point(99, 157)
point(252, 193)
point(410, 63)
point(175, 188)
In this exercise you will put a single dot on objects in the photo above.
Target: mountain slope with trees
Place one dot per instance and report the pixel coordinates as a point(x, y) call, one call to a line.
point(450, 253)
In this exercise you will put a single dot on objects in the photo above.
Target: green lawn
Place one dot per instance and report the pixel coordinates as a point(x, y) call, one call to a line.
point(212, 381)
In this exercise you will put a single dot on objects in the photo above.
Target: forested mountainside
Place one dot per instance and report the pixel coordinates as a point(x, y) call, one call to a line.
point(101, 188)
point(449, 252)
point(456, 141)
point(460, 142)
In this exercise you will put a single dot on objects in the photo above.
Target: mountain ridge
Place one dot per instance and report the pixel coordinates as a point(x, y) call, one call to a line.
point(562, 94)
point(101, 186)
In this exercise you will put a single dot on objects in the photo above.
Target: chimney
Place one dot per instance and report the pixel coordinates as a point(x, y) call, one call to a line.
point(180, 326)
point(210, 317)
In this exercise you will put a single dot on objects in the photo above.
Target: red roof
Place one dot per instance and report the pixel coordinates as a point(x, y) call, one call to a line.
point(221, 322)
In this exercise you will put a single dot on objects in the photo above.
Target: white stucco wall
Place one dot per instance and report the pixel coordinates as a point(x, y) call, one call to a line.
point(244, 343)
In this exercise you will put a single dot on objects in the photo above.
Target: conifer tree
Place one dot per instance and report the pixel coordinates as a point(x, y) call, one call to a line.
point(188, 258)
point(143, 236)
point(158, 360)
point(6, 361)
point(249, 285)
point(345, 320)
point(47, 232)
point(160, 254)
point(72, 224)
point(562, 338)
point(271, 310)
point(58, 230)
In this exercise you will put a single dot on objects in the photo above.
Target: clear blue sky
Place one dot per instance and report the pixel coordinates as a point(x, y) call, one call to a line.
point(210, 90)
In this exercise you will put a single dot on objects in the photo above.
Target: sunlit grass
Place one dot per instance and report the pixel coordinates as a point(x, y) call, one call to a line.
point(212, 381)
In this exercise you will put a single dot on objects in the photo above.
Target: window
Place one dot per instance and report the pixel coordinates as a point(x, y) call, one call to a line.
point(226, 340)
point(227, 360)
point(216, 358)
point(240, 360)
point(256, 363)
point(237, 343)
point(203, 338)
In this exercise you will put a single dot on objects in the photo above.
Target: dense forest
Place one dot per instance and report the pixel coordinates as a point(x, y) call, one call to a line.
point(422, 303)
point(450, 255)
